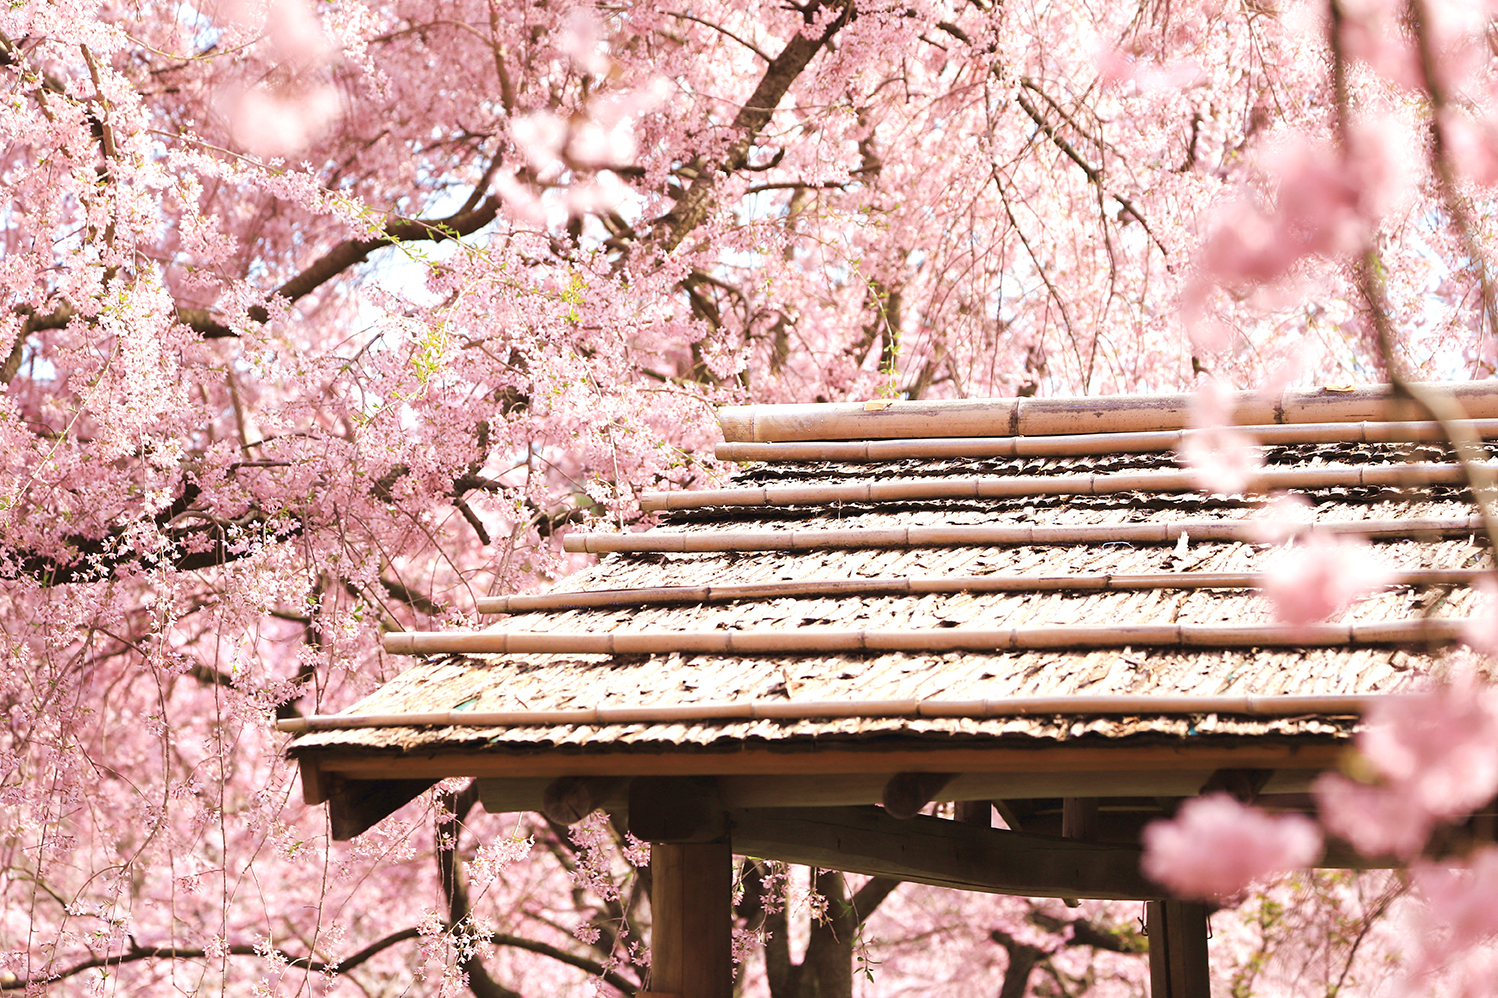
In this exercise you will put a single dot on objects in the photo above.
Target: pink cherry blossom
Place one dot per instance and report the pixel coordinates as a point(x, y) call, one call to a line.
point(271, 123)
point(1436, 758)
point(1443, 745)
point(1285, 516)
point(296, 34)
point(1324, 202)
point(1481, 631)
point(1375, 820)
point(581, 38)
point(540, 137)
point(255, 413)
point(1319, 577)
point(1221, 460)
point(1463, 904)
point(1216, 847)
point(1473, 145)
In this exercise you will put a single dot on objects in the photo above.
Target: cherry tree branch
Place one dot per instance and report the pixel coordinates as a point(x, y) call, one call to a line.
point(1445, 169)
point(696, 201)
point(1471, 455)
point(871, 895)
point(1024, 957)
point(350, 253)
point(205, 546)
point(1093, 173)
point(135, 954)
point(452, 809)
point(613, 978)
point(682, 15)
point(32, 323)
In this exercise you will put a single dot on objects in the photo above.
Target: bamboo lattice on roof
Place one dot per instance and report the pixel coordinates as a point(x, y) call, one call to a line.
point(883, 600)
point(1087, 414)
point(824, 587)
point(1082, 444)
point(1006, 534)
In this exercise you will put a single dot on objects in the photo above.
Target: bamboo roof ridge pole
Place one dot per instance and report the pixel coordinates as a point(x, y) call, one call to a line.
point(1104, 413)
point(1091, 705)
point(1014, 486)
point(1082, 444)
point(1005, 535)
point(818, 640)
point(900, 586)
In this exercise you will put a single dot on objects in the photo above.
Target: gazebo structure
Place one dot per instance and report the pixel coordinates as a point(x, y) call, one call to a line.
point(1024, 606)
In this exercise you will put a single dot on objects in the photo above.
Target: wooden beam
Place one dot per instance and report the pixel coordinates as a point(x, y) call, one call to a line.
point(973, 812)
point(1198, 756)
point(526, 793)
point(944, 853)
point(358, 805)
point(502, 795)
point(691, 900)
point(1178, 949)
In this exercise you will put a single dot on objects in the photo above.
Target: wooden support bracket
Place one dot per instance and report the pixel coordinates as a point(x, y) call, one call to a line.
point(941, 852)
point(355, 806)
point(1244, 785)
point(569, 799)
point(676, 809)
point(316, 787)
point(906, 793)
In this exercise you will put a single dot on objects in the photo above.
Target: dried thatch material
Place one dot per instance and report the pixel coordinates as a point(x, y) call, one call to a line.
point(1356, 476)
point(1058, 601)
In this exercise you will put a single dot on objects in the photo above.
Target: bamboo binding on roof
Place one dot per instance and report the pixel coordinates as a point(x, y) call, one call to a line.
point(1017, 486)
point(1001, 582)
point(1082, 444)
point(885, 419)
point(1005, 535)
point(1121, 704)
point(815, 640)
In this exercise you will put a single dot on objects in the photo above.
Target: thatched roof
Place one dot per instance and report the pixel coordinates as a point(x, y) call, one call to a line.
point(929, 609)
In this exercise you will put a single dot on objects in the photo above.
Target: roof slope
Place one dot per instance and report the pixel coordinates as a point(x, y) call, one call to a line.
point(997, 569)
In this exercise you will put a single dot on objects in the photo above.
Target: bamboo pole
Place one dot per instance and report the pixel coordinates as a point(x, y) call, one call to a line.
point(1004, 535)
point(820, 640)
point(1082, 444)
point(1017, 486)
point(888, 419)
point(901, 586)
point(1104, 705)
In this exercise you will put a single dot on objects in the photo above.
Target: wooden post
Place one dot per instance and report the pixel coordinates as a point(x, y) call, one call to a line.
point(1079, 818)
point(691, 901)
point(1178, 949)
